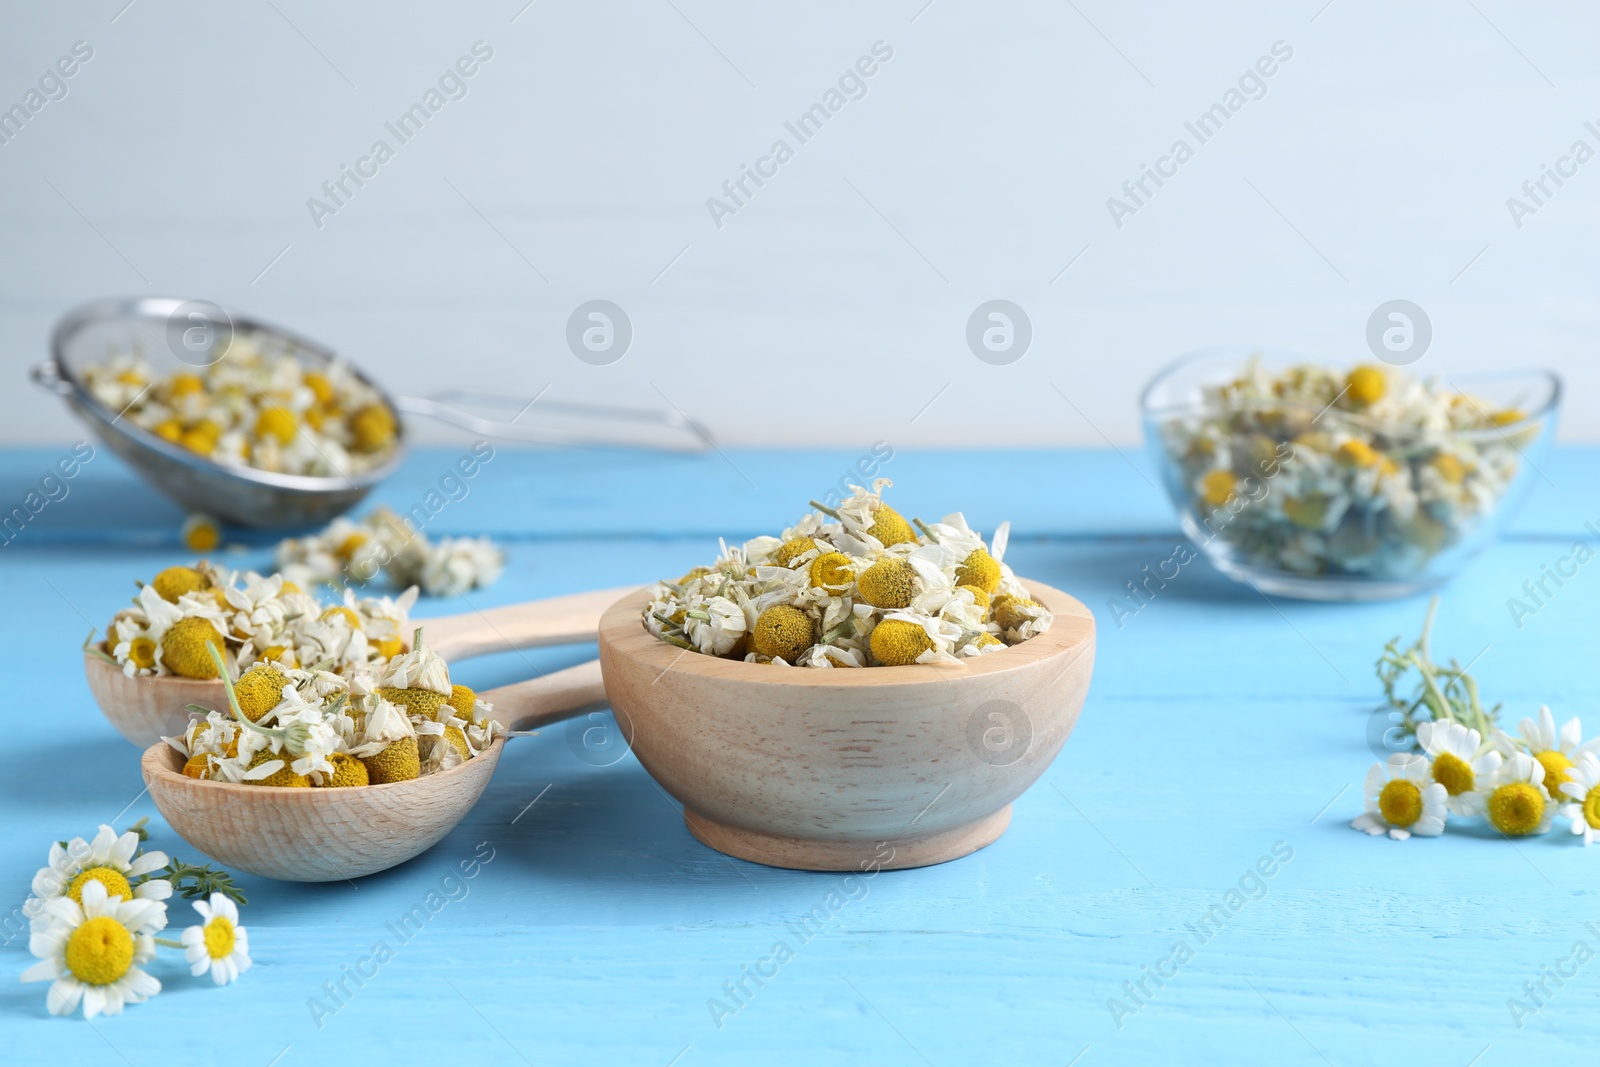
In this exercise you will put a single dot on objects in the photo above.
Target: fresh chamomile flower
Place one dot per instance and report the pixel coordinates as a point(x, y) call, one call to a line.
point(1555, 751)
point(1517, 804)
point(1402, 799)
point(219, 944)
point(109, 860)
point(91, 952)
point(1582, 787)
point(1459, 764)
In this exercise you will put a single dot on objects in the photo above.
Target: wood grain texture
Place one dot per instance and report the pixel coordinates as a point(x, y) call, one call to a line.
point(602, 931)
point(835, 769)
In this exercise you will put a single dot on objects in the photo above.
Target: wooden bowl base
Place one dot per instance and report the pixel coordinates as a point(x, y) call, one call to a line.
point(805, 854)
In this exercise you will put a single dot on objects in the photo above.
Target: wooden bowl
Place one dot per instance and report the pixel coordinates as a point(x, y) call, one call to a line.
point(841, 769)
point(324, 834)
point(315, 835)
point(144, 710)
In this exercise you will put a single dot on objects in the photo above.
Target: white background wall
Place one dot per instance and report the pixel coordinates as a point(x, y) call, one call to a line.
point(831, 307)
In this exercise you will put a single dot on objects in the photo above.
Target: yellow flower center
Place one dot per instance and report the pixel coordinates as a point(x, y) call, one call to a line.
point(793, 550)
point(142, 651)
point(343, 613)
point(1357, 453)
point(888, 583)
point(116, 885)
point(100, 951)
point(832, 571)
point(783, 631)
point(890, 527)
point(1366, 385)
point(1400, 802)
point(1516, 808)
point(201, 534)
point(219, 938)
point(320, 386)
point(896, 642)
point(350, 546)
point(276, 422)
point(1450, 468)
point(1591, 808)
point(1216, 487)
point(979, 569)
point(1555, 767)
point(1454, 773)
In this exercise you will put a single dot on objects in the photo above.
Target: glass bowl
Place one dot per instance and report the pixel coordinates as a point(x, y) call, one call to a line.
point(1339, 483)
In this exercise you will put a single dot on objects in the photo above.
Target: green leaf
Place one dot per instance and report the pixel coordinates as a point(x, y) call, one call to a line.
point(191, 881)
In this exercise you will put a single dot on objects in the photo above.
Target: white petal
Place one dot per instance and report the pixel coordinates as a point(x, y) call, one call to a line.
point(148, 863)
point(46, 970)
point(1374, 784)
point(64, 995)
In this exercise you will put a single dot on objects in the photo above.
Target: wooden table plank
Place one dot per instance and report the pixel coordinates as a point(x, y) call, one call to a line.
point(1218, 724)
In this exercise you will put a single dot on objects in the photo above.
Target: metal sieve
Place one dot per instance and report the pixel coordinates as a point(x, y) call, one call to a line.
point(170, 333)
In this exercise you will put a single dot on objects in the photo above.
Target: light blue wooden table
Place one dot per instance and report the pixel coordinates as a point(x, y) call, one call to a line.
point(1219, 729)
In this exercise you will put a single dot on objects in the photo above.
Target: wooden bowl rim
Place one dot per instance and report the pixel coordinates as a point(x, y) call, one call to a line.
point(158, 762)
point(93, 661)
point(623, 633)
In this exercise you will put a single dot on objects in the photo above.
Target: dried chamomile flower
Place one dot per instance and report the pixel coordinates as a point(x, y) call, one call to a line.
point(1367, 473)
point(267, 405)
point(823, 592)
point(254, 619)
point(386, 545)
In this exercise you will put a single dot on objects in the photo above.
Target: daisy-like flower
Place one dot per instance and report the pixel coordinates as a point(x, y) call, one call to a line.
point(1458, 765)
point(1403, 799)
point(1583, 788)
point(1556, 752)
point(1517, 804)
point(219, 944)
point(108, 861)
point(90, 953)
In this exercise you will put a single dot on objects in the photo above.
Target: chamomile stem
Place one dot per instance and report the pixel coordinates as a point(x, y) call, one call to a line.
point(233, 698)
point(825, 510)
point(929, 534)
point(1427, 629)
point(167, 942)
point(1440, 704)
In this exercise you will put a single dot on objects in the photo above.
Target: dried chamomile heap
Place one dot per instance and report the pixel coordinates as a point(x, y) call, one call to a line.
point(1370, 473)
point(855, 586)
point(305, 727)
point(386, 543)
point(258, 406)
point(185, 611)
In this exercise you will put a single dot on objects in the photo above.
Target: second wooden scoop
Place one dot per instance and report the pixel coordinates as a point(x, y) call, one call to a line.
point(326, 835)
point(144, 710)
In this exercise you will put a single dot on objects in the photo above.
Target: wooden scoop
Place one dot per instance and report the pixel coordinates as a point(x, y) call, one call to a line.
point(146, 709)
point(326, 834)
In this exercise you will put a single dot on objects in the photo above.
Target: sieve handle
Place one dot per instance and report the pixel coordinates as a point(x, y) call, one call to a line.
point(47, 376)
point(667, 429)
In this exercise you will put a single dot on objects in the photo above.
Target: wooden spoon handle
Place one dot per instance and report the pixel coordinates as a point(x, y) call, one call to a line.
point(562, 620)
point(552, 698)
